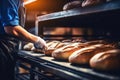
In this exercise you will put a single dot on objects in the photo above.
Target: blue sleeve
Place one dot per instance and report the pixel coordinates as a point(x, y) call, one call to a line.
point(9, 13)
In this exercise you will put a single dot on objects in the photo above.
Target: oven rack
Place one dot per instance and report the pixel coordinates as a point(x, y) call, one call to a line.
point(104, 17)
point(105, 7)
point(62, 68)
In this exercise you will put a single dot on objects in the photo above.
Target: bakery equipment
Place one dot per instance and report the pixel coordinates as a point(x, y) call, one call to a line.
point(102, 19)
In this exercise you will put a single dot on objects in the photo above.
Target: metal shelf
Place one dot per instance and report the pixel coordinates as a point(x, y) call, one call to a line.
point(106, 7)
point(103, 17)
point(63, 68)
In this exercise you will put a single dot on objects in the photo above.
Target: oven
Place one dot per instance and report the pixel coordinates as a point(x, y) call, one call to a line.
point(92, 23)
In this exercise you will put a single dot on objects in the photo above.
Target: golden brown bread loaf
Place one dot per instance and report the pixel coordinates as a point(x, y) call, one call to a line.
point(64, 52)
point(28, 46)
point(92, 2)
point(82, 56)
point(51, 47)
point(106, 61)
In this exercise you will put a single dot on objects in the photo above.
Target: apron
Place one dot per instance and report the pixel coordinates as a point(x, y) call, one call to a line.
point(8, 55)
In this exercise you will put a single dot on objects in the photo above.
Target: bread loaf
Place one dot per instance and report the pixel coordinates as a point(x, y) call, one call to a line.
point(106, 61)
point(91, 2)
point(51, 47)
point(64, 52)
point(28, 46)
point(72, 4)
point(82, 56)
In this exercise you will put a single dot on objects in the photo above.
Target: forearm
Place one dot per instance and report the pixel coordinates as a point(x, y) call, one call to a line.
point(21, 33)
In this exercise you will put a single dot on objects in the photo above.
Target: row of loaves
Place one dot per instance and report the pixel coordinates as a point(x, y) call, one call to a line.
point(98, 54)
point(83, 3)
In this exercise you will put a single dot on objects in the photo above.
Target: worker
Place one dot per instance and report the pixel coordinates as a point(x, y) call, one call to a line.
point(11, 33)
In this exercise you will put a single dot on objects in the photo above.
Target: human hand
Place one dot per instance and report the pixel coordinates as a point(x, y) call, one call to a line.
point(40, 44)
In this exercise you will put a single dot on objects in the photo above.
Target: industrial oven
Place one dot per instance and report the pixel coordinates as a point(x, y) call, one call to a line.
point(96, 22)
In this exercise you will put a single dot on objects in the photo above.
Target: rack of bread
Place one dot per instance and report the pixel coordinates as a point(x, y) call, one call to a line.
point(96, 59)
point(80, 59)
point(91, 53)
